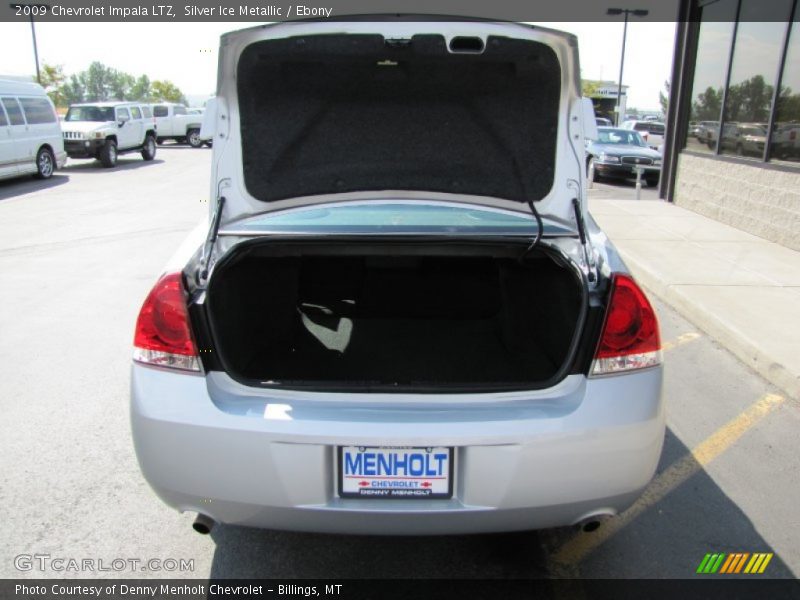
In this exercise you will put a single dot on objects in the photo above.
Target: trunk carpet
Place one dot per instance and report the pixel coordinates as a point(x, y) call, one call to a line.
point(404, 351)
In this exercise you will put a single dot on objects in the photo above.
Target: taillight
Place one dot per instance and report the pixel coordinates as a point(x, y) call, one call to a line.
point(630, 337)
point(162, 333)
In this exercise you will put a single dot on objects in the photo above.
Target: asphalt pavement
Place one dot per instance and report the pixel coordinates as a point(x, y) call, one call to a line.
point(79, 253)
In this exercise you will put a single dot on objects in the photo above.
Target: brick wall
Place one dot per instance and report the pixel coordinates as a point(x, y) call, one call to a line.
point(764, 202)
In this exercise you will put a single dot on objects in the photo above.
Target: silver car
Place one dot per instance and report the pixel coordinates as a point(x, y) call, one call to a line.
point(400, 317)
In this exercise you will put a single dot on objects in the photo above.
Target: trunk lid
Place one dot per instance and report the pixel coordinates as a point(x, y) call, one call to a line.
point(474, 112)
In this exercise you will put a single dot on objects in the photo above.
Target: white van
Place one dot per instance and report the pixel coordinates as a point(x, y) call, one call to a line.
point(30, 134)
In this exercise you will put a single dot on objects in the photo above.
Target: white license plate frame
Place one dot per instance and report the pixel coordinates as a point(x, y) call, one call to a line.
point(435, 482)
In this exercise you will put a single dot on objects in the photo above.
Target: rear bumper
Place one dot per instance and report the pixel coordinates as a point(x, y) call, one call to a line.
point(624, 171)
point(522, 461)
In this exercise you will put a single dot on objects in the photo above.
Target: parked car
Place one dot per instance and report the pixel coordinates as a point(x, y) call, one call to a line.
point(617, 153)
point(701, 130)
point(652, 132)
point(30, 134)
point(745, 139)
point(104, 130)
point(176, 123)
point(603, 122)
point(402, 319)
point(786, 141)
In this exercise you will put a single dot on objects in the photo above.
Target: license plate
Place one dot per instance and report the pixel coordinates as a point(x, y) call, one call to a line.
point(421, 473)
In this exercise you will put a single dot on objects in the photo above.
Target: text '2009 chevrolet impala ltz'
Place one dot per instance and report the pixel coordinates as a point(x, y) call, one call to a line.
point(400, 318)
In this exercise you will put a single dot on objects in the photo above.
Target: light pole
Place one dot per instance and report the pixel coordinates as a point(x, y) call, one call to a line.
point(636, 12)
point(33, 34)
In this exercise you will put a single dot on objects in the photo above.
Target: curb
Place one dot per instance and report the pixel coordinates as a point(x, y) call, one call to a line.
point(734, 340)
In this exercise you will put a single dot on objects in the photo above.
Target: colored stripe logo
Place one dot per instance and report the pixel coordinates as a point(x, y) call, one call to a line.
point(736, 562)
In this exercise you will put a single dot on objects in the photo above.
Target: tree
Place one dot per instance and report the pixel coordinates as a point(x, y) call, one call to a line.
point(53, 78)
point(96, 82)
point(121, 85)
point(663, 98)
point(589, 88)
point(708, 105)
point(141, 88)
point(73, 91)
point(167, 91)
point(99, 83)
point(788, 106)
point(756, 99)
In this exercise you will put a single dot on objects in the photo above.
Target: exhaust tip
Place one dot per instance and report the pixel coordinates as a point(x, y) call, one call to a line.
point(203, 524)
point(590, 525)
point(592, 522)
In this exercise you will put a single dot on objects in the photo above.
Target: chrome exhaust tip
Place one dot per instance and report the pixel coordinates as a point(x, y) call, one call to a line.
point(203, 524)
point(593, 522)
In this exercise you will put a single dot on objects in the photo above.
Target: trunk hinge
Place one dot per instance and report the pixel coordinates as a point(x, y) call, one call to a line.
point(204, 268)
point(588, 253)
point(539, 232)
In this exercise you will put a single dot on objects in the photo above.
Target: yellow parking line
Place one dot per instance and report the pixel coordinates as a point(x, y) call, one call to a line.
point(577, 548)
point(680, 340)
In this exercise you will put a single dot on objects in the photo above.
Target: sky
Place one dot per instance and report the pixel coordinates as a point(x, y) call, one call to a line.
point(186, 53)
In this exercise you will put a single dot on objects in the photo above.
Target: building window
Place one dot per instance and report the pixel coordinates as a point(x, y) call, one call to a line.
point(785, 143)
point(713, 53)
point(756, 55)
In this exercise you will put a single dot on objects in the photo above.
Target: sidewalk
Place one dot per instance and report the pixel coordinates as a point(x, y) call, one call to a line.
point(740, 289)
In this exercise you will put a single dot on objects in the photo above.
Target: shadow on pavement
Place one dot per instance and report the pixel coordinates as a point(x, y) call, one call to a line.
point(244, 552)
point(174, 146)
point(668, 540)
point(91, 166)
point(671, 538)
point(10, 188)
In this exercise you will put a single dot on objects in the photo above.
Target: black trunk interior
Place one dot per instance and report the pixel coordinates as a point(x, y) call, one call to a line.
point(394, 321)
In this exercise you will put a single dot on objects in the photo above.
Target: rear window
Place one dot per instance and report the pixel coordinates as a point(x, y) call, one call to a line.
point(136, 113)
point(14, 111)
point(180, 110)
point(3, 120)
point(655, 128)
point(624, 137)
point(148, 114)
point(394, 218)
point(160, 111)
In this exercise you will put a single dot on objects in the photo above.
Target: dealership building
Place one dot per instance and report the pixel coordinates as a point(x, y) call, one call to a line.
point(604, 95)
point(733, 136)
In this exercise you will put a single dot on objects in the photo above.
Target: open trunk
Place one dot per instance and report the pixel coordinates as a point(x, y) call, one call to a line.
point(393, 316)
